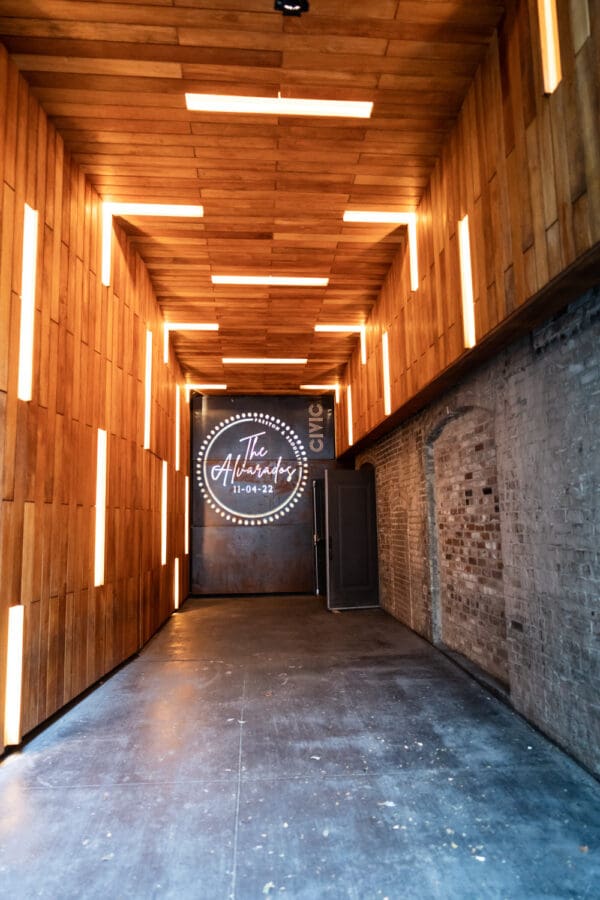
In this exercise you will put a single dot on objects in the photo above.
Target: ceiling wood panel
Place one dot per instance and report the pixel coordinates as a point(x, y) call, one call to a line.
point(112, 76)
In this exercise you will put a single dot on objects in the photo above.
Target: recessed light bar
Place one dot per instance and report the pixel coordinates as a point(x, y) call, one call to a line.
point(28, 289)
point(350, 416)
point(393, 218)
point(466, 283)
point(270, 280)
point(387, 393)
point(263, 361)
point(323, 387)
point(344, 329)
point(14, 676)
point(110, 209)
point(278, 106)
point(184, 326)
point(551, 64)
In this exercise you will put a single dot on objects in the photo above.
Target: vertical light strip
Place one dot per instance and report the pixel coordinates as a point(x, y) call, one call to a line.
point(466, 282)
point(177, 428)
point(107, 219)
point(148, 392)
point(387, 395)
point(28, 284)
point(349, 401)
point(176, 583)
point(14, 676)
point(163, 513)
point(100, 529)
point(363, 344)
point(550, 45)
point(413, 252)
point(166, 332)
point(186, 518)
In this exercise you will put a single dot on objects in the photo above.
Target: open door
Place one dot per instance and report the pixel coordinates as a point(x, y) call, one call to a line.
point(350, 522)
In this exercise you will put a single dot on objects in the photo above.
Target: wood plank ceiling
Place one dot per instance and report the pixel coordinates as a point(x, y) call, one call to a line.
point(112, 78)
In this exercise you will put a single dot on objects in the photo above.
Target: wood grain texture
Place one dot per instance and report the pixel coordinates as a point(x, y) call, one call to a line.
point(112, 77)
point(524, 168)
point(88, 374)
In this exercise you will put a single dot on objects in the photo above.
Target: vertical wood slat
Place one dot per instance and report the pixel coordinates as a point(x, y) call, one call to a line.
point(526, 168)
point(88, 351)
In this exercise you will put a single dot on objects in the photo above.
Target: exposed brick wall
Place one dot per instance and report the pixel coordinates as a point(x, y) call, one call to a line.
point(539, 405)
point(466, 524)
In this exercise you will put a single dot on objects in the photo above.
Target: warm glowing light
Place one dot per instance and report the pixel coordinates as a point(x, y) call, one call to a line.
point(349, 402)
point(110, 209)
point(14, 676)
point(163, 513)
point(278, 106)
point(100, 528)
point(263, 361)
point(28, 286)
point(393, 218)
point(323, 387)
point(186, 517)
point(551, 65)
point(177, 428)
point(413, 254)
point(203, 387)
point(185, 326)
point(344, 329)
point(270, 280)
point(148, 392)
point(466, 282)
point(176, 583)
point(387, 393)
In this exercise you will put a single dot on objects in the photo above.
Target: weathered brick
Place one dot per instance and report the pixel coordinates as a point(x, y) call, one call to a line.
point(489, 523)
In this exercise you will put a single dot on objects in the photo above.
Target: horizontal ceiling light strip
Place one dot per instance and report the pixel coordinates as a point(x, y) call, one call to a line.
point(155, 210)
point(379, 217)
point(270, 280)
point(184, 326)
point(345, 329)
point(263, 361)
point(323, 387)
point(278, 106)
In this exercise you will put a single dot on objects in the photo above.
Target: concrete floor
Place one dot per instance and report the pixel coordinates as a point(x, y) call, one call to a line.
point(264, 747)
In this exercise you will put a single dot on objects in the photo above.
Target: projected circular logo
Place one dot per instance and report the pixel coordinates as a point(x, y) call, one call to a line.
point(252, 469)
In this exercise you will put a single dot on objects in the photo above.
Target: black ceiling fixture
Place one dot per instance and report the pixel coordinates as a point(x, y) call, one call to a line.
point(292, 7)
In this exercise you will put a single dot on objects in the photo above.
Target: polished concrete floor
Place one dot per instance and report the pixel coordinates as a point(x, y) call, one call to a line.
point(264, 747)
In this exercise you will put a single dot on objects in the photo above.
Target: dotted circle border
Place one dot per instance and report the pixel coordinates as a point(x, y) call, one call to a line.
point(274, 515)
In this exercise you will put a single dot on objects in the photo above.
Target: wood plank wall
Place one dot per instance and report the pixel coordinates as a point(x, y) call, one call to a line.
point(89, 373)
point(525, 167)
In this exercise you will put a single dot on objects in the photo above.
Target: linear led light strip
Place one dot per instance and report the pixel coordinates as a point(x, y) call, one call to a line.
point(466, 283)
point(28, 286)
point(550, 44)
point(344, 329)
point(394, 218)
point(176, 583)
point(14, 676)
point(186, 517)
point(278, 106)
point(177, 428)
point(270, 280)
point(197, 386)
point(185, 326)
point(164, 512)
point(263, 361)
point(100, 525)
point(148, 391)
point(323, 387)
point(110, 209)
point(349, 403)
point(387, 393)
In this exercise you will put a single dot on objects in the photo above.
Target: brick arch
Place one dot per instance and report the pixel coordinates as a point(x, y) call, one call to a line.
point(465, 537)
